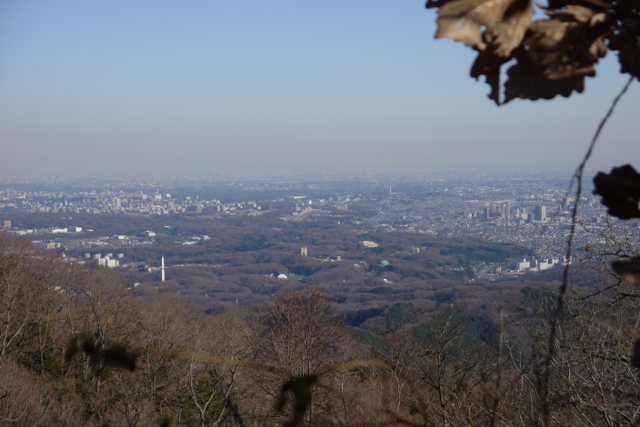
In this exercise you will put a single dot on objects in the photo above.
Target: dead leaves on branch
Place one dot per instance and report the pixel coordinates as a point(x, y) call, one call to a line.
point(504, 23)
point(553, 55)
point(557, 54)
point(620, 191)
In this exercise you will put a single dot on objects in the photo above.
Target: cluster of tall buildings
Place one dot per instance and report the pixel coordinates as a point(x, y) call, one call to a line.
point(502, 210)
point(532, 264)
point(108, 260)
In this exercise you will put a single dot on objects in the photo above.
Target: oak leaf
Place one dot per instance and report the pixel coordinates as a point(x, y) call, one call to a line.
point(620, 191)
point(481, 23)
point(557, 53)
point(627, 39)
point(629, 55)
point(436, 3)
point(553, 56)
point(488, 64)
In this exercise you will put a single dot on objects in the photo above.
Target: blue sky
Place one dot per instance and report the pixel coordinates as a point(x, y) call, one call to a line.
point(196, 86)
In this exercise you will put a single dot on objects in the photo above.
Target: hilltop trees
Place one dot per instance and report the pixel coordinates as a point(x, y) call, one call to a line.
point(25, 277)
point(86, 351)
point(298, 339)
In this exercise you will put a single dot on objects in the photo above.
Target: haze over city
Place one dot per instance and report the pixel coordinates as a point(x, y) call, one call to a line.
point(151, 87)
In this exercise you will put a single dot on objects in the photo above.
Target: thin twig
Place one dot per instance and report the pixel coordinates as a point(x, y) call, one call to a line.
point(543, 383)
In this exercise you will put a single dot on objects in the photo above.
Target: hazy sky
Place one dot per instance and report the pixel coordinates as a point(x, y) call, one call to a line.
point(97, 86)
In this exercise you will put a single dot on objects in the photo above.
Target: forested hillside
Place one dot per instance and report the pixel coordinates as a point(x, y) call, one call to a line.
point(80, 346)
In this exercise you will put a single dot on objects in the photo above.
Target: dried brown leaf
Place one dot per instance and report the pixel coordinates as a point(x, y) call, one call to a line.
point(487, 64)
point(436, 3)
point(553, 55)
point(627, 43)
point(598, 48)
point(597, 5)
point(527, 80)
point(626, 37)
point(557, 54)
point(620, 191)
point(481, 23)
point(573, 13)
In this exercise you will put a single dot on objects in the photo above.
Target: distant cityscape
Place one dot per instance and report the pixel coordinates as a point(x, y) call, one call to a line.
point(530, 210)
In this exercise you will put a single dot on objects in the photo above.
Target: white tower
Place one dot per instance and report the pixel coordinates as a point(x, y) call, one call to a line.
point(162, 268)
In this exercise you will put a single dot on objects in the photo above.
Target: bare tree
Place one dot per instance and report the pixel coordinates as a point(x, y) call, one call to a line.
point(401, 351)
point(298, 339)
point(221, 346)
point(592, 379)
point(448, 369)
point(24, 400)
point(23, 293)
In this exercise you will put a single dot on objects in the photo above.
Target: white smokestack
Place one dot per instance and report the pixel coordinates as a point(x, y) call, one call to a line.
point(162, 269)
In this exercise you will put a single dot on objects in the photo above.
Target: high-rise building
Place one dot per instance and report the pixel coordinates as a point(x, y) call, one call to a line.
point(487, 213)
point(506, 212)
point(540, 213)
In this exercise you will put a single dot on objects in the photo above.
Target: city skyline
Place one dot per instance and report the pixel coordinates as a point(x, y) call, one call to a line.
point(534, 211)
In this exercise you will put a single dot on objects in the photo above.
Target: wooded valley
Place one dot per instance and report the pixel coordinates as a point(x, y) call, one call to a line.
point(79, 345)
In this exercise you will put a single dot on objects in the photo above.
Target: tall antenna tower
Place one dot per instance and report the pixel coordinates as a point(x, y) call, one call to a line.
point(162, 269)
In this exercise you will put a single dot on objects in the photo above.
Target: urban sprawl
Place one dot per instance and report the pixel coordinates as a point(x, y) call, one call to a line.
point(533, 211)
